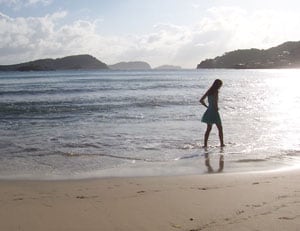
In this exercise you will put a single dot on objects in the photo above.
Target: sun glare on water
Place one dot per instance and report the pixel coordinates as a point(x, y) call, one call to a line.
point(284, 106)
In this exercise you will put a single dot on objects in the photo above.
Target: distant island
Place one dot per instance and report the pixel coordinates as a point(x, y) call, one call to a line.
point(286, 55)
point(168, 67)
point(137, 65)
point(80, 62)
point(76, 62)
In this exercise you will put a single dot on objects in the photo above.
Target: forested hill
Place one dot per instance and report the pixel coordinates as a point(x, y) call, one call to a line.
point(286, 55)
point(75, 62)
point(137, 65)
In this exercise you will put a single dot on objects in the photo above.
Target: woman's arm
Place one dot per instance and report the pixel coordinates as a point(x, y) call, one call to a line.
point(202, 100)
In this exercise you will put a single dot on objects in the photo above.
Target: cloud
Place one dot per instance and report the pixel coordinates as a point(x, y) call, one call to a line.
point(26, 36)
point(18, 4)
point(221, 30)
point(23, 39)
point(159, 46)
point(229, 28)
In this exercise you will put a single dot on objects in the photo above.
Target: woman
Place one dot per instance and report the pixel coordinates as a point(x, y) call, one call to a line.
point(211, 115)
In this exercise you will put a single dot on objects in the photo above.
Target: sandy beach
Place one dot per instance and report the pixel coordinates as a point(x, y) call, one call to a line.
point(245, 201)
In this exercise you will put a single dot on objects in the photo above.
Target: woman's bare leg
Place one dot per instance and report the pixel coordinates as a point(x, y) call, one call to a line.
point(208, 129)
point(220, 128)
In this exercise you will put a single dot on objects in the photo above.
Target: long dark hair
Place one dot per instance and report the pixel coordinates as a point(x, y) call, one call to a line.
point(215, 87)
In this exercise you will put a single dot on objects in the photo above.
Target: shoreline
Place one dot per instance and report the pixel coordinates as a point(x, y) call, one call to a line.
point(199, 169)
point(231, 201)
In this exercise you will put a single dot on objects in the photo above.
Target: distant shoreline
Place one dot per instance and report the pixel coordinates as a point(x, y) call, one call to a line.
point(286, 55)
point(81, 62)
point(154, 70)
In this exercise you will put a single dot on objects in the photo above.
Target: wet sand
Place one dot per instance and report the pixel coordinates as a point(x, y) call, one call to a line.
point(244, 201)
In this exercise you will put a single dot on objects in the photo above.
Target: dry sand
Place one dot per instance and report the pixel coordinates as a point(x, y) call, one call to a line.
point(253, 201)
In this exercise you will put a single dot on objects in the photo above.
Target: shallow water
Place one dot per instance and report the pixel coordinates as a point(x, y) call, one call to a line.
point(77, 124)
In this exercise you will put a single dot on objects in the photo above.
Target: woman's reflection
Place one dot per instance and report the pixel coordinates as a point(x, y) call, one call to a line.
point(221, 162)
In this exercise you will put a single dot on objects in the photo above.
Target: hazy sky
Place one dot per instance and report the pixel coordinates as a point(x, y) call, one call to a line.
point(178, 32)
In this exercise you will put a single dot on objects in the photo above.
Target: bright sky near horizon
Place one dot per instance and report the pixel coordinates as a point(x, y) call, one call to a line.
point(177, 32)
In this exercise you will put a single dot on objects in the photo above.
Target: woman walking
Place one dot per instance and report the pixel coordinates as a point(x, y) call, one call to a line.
point(211, 115)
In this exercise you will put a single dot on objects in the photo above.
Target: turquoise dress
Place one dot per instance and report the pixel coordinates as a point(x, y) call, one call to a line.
point(211, 115)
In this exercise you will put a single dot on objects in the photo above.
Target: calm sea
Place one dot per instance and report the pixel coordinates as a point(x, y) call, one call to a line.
point(78, 124)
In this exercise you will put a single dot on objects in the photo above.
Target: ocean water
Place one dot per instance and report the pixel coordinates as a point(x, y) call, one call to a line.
point(80, 124)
